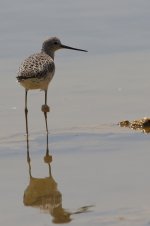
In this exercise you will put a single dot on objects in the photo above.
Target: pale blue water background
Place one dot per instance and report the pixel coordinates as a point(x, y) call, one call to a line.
point(94, 161)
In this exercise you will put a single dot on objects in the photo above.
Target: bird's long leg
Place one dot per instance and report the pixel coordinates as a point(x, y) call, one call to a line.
point(28, 154)
point(45, 115)
point(48, 157)
point(45, 111)
point(45, 107)
point(26, 111)
point(45, 97)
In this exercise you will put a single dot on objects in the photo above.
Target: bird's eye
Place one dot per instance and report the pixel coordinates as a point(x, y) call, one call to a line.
point(55, 43)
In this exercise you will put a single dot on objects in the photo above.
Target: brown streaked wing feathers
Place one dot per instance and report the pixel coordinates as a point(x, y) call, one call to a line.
point(36, 66)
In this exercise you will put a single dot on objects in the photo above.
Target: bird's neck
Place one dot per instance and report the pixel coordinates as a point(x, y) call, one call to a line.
point(46, 49)
point(48, 52)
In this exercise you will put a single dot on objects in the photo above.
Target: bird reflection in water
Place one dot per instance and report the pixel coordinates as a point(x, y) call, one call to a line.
point(43, 193)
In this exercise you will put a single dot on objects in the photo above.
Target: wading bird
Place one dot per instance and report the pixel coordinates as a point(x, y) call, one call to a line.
point(37, 71)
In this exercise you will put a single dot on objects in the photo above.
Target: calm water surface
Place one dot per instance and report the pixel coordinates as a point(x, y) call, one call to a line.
point(89, 171)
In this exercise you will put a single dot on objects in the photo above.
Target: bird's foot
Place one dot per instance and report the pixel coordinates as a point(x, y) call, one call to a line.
point(45, 108)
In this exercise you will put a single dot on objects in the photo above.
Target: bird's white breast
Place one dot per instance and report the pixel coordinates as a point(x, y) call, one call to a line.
point(36, 83)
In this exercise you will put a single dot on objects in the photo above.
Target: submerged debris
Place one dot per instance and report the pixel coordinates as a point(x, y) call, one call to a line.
point(139, 124)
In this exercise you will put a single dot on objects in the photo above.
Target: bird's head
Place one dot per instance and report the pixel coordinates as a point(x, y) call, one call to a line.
point(54, 43)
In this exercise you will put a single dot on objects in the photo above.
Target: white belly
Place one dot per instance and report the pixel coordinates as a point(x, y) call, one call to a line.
point(35, 83)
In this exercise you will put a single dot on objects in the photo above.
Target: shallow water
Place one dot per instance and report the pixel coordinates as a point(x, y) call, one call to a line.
point(97, 168)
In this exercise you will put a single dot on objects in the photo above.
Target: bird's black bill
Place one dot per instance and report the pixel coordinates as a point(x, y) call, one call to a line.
point(68, 47)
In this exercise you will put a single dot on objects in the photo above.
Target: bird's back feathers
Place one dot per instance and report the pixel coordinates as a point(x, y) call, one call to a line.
point(36, 66)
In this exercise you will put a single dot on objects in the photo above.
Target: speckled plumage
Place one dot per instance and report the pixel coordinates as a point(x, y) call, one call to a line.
point(37, 65)
point(37, 71)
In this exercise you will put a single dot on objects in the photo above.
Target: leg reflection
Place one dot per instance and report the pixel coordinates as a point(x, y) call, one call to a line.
point(48, 157)
point(43, 192)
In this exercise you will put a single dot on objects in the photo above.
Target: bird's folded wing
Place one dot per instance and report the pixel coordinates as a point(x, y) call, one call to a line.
point(36, 66)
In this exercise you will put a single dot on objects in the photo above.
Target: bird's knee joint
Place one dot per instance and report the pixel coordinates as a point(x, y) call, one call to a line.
point(45, 108)
point(26, 110)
